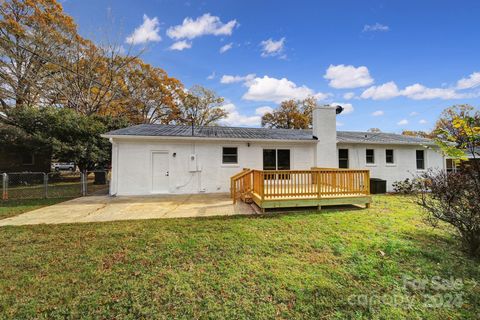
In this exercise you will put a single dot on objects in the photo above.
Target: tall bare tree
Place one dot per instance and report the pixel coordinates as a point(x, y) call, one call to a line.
point(89, 81)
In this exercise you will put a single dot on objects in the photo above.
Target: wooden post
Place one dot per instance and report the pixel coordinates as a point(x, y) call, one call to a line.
point(319, 183)
point(262, 185)
point(367, 181)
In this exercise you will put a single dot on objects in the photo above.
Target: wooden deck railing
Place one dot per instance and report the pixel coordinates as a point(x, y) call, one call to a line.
point(241, 184)
point(301, 184)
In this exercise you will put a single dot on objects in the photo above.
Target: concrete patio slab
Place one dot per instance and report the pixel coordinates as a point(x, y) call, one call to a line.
point(105, 208)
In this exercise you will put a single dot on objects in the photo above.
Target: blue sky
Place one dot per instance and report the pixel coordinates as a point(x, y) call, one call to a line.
point(392, 64)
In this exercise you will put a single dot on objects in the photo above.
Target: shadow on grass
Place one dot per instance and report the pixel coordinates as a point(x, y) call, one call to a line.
point(440, 247)
point(283, 212)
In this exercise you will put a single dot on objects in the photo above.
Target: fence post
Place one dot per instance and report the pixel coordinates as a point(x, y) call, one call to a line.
point(5, 186)
point(45, 184)
point(82, 187)
point(83, 179)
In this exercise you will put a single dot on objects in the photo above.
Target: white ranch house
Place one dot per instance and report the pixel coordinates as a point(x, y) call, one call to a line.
point(158, 159)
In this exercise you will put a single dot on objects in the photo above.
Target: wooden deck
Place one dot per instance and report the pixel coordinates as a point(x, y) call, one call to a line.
point(302, 188)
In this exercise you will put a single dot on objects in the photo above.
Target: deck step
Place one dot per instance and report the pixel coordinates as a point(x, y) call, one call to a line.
point(247, 198)
point(256, 208)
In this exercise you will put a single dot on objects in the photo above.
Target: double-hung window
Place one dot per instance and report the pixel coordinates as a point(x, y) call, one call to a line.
point(230, 155)
point(420, 156)
point(370, 156)
point(343, 158)
point(389, 156)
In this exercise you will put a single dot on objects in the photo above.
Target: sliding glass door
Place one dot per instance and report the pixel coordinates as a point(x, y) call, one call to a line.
point(276, 159)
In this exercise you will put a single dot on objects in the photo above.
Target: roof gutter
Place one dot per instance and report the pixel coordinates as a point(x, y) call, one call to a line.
point(197, 138)
point(388, 143)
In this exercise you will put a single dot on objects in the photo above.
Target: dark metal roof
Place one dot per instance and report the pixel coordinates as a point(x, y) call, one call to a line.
point(262, 134)
point(380, 138)
point(214, 132)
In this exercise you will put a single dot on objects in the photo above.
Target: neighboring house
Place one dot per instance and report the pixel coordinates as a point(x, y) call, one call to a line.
point(24, 159)
point(454, 166)
point(20, 152)
point(155, 159)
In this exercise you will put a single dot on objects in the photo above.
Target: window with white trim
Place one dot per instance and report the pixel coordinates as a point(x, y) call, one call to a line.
point(420, 157)
point(370, 156)
point(389, 156)
point(230, 155)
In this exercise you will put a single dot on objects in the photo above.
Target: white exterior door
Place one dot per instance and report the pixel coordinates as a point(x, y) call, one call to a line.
point(160, 172)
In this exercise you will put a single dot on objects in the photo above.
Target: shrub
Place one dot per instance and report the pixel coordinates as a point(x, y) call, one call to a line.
point(454, 198)
point(406, 186)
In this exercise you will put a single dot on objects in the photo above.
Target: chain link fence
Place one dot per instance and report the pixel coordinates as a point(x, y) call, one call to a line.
point(36, 185)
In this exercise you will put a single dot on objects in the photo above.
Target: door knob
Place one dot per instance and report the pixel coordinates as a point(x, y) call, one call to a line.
point(167, 174)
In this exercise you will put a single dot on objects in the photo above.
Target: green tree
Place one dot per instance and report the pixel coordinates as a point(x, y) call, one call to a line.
point(71, 136)
point(446, 130)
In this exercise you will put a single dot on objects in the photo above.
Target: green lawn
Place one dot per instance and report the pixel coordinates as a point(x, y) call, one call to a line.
point(296, 265)
point(12, 208)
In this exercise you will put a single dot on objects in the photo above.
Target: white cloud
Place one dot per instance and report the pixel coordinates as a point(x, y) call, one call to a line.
point(423, 121)
point(472, 81)
point(147, 32)
point(349, 95)
point(375, 27)
point(416, 92)
point(226, 79)
point(211, 76)
point(204, 25)
point(340, 124)
point(262, 110)
point(278, 90)
point(413, 114)
point(402, 122)
point(234, 118)
point(226, 47)
point(347, 76)
point(385, 91)
point(272, 48)
point(347, 107)
point(378, 113)
point(181, 45)
point(420, 92)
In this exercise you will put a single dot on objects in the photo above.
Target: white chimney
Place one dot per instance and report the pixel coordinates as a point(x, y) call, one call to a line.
point(325, 130)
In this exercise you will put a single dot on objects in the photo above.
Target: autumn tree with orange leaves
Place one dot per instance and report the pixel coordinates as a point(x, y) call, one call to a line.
point(31, 33)
point(291, 114)
point(151, 95)
point(200, 107)
point(44, 62)
point(90, 81)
